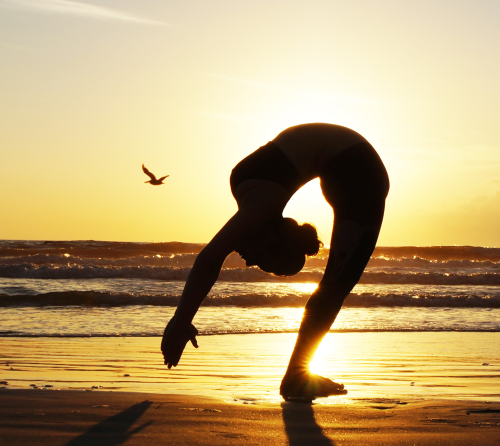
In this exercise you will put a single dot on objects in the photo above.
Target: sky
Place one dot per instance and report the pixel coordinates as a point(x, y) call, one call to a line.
point(91, 90)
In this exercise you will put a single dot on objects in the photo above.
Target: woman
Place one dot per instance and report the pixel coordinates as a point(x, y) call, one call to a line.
point(353, 181)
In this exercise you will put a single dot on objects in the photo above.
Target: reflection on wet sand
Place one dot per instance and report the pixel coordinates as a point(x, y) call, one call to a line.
point(453, 365)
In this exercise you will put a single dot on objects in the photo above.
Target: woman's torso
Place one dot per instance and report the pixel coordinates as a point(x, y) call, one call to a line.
point(294, 157)
point(310, 146)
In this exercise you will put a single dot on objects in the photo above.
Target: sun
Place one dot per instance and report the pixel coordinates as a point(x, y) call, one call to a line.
point(304, 105)
point(307, 106)
point(309, 205)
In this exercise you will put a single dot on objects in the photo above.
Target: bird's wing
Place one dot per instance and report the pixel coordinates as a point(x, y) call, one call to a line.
point(162, 178)
point(148, 173)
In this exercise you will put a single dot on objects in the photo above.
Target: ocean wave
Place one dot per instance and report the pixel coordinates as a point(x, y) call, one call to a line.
point(57, 271)
point(96, 249)
point(420, 263)
point(431, 278)
point(439, 252)
point(94, 298)
point(184, 260)
point(221, 332)
point(167, 273)
point(116, 250)
point(175, 260)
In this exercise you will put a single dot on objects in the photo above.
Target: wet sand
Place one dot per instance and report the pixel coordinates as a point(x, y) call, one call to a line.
point(404, 388)
point(249, 367)
point(77, 418)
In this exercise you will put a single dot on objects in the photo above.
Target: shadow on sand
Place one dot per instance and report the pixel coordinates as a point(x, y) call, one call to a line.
point(114, 430)
point(301, 427)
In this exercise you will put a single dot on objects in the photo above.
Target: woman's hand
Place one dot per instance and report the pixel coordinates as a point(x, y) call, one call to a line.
point(175, 338)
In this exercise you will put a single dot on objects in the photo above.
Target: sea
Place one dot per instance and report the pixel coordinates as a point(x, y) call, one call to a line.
point(423, 322)
point(106, 289)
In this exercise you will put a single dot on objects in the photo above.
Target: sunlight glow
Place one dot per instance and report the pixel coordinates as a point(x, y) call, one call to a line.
point(309, 205)
point(300, 109)
point(306, 287)
point(319, 363)
point(180, 96)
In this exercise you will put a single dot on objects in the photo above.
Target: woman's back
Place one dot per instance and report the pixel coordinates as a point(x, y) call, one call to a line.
point(310, 146)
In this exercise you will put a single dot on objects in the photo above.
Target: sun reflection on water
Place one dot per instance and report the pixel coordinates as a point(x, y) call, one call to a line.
point(298, 287)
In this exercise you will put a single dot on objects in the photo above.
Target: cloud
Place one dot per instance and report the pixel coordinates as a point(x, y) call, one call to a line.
point(77, 9)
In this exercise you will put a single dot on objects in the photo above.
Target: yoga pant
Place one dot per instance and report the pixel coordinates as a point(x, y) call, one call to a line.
point(355, 183)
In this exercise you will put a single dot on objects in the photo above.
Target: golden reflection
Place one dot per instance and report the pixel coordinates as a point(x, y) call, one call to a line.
point(307, 287)
point(293, 318)
point(318, 364)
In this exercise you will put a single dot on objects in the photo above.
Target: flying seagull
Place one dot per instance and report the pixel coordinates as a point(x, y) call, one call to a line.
point(153, 179)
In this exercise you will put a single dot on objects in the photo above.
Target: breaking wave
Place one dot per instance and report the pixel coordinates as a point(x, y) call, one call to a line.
point(95, 298)
point(168, 273)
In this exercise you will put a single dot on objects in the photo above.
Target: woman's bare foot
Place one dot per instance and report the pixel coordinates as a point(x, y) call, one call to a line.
point(306, 386)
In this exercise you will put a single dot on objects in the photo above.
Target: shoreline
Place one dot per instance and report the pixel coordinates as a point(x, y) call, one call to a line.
point(77, 418)
point(404, 389)
point(434, 365)
point(8, 335)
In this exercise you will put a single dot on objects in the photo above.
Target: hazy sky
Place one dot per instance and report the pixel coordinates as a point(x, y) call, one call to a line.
point(90, 90)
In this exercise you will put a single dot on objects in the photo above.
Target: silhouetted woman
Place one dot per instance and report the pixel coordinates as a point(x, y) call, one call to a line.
point(354, 182)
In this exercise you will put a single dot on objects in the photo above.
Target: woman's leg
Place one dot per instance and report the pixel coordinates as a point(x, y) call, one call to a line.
point(351, 248)
point(355, 184)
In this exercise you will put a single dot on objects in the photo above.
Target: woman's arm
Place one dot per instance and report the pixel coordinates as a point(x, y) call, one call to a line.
point(261, 203)
point(180, 330)
point(202, 277)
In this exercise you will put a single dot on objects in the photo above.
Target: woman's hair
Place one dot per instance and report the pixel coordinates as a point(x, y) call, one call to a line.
point(286, 256)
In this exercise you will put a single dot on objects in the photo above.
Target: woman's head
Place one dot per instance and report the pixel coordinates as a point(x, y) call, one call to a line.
point(281, 247)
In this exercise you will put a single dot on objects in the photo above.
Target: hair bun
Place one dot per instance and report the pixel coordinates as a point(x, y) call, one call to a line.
point(308, 241)
point(300, 238)
point(286, 256)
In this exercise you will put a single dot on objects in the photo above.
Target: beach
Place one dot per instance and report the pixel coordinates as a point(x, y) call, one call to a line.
point(107, 391)
point(73, 418)
point(247, 368)
point(416, 346)
point(137, 135)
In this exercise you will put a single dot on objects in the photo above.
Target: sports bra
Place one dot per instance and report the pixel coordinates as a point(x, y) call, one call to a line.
point(267, 163)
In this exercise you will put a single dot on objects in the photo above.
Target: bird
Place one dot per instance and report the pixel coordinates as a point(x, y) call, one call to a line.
point(153, 179)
